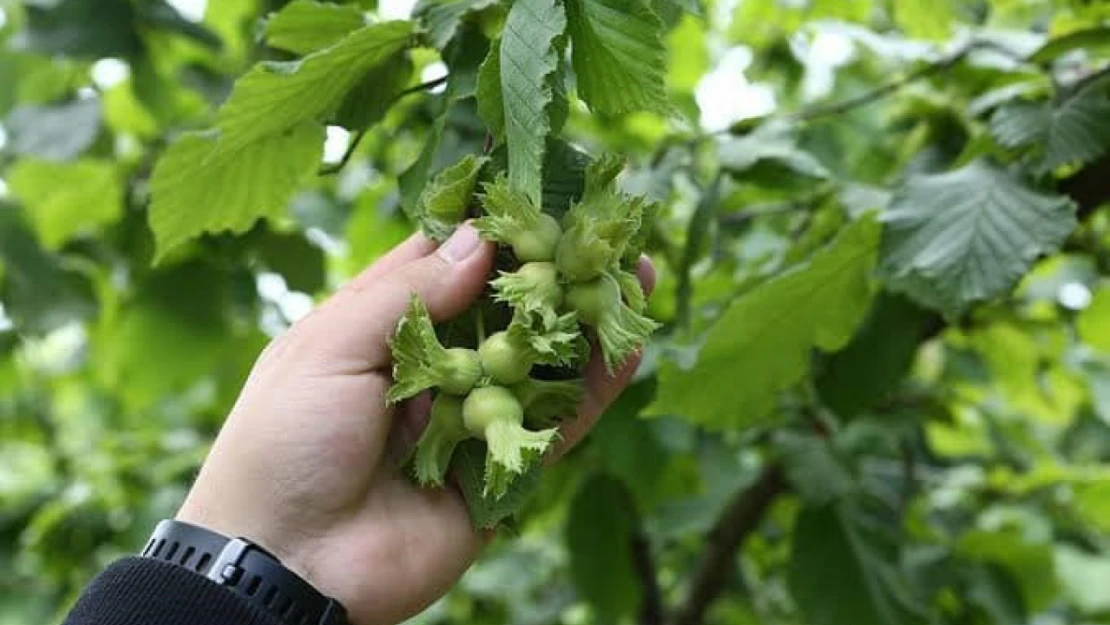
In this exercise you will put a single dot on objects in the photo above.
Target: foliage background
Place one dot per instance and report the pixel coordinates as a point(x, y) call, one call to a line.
point(847, 419)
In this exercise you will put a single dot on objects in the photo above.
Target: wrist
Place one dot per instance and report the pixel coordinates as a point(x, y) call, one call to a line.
point(245, 569)
point(290, 549)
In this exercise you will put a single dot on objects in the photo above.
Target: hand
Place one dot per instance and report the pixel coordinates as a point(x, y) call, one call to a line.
point(306, 464)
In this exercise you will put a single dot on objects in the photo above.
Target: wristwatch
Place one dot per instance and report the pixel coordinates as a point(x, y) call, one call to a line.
point(245, 569)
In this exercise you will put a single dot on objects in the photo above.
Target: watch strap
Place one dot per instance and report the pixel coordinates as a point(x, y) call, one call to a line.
point(245, 569)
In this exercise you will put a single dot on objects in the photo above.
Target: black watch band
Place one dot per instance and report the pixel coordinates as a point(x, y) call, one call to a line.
point(245, 569)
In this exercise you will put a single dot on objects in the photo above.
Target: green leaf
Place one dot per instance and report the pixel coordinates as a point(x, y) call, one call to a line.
point(529, 55)
point(1083, 579)
point(456, 128)
point(58, 132)
point(843, 571)
point(1031, 564)
point(372, 98)
point(303, 27)
point(182, 311)
point(198, 187)
point(564, 176)
point(274, 97)
point(469, 468)
point(1089, 39)
point(813, 468)
point(64, 200)
point(925, 19)
point(860, 376)
point(93, 30)
point(769, 152)
point(491, 106)
point(158, 14)
point(628, 446)
point(441, 18)
point(298, 260)
point(39, 293)
point(599, 535)
point(1074, 132)
point(446, 199)
point(1094, 322)
point(777, 324)
point(967, 235)
point(618, 55)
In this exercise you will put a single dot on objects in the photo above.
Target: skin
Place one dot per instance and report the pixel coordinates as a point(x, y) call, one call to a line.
point(307, 462)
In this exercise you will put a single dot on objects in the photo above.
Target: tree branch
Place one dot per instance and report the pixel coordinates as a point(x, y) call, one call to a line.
point(937, 67)
point(651, 606)
point(740, 518)
point(328, 170)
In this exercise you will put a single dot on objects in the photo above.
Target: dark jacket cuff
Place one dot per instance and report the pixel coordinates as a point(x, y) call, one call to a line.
point(142, 591)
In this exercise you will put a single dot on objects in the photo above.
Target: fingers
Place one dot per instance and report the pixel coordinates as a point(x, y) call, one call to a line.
point(352, 329)
point(412, 248)
point(601, 389)
point(645, 270)
point(601, 386)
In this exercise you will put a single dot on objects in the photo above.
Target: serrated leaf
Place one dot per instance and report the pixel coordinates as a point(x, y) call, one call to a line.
point(599, 534)
point(761, 345)
point(445, 200)
point(1075, 132)
point(303, 26)
point(197, 187)
point(967, 235)
point(843, 571)
point(491, 105)
point(57, 132)
point(529, 55)
point(618, 55)
point(274, 97)
point(441, 18)
point(469, 468)
point(63, 200)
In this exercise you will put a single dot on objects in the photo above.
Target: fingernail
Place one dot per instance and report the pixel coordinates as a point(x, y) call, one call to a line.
point(460, 245)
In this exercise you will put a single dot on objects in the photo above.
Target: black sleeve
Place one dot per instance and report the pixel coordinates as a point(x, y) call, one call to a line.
point(143, 591)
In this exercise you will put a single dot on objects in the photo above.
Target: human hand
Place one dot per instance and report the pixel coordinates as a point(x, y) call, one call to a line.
point(307, 463)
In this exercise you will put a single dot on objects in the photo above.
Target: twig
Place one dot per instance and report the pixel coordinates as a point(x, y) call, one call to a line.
point(651, 606)
point(698, 230)
point(424, 86)
point(839, 108)
point(740, 518)
point(328, 170)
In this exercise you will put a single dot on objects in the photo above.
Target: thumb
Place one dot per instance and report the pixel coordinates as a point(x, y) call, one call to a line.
point(351, 330)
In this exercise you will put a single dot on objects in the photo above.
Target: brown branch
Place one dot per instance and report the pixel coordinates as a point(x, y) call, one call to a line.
point(937, 67)
point(651, 606)
point(740, 518)
point(329, 170)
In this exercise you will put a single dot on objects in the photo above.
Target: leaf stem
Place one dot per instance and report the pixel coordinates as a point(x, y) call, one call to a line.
point(480, 325)
point(329, 170)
